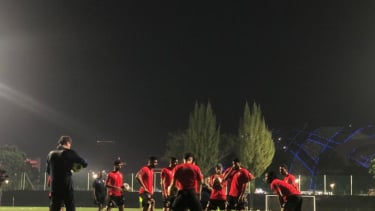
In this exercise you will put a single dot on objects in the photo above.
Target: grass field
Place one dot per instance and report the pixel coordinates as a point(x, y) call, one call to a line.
point(77, 209)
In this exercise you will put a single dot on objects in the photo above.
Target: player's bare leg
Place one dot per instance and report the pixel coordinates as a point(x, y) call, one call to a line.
point(152, 204)
point(121, 208)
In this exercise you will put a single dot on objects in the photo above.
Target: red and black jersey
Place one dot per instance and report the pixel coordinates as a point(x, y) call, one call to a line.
point(147, 176)
point(282, 188)
point(239, 178)
point(166, 175)
point(114, 178)
point(218, 194)
point(291, 179)
point(187, 175)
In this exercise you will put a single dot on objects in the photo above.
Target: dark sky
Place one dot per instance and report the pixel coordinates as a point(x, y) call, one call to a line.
point(131, 71)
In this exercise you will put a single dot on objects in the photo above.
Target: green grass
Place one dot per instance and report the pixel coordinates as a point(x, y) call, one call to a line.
point(77, 209)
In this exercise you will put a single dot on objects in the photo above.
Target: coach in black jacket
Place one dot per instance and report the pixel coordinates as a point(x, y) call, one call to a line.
point(60, 164)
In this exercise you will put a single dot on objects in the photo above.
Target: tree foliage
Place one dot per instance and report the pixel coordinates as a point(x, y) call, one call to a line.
point(202, 137)
point(12, 161)
point(229, 149)
point(256, 145)
point(175, 145)
point(372, 168)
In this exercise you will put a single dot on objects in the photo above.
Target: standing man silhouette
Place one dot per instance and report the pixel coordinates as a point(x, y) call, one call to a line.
point(60, 164)
point(188, 176)
point(145, 177)
point(165, 181)
point(115, 186)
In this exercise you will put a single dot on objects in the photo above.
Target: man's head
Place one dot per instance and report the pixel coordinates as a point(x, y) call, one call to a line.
point(117, 164)
point(65, 141)
point(269, 177)
point(283, 169)
point(219, 168)
point(173, 161)
point(101, 174)
point(189, 157)
point(236, 163)
point(152, 161)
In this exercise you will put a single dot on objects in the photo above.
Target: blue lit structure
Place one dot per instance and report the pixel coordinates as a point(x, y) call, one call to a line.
point(305, 149)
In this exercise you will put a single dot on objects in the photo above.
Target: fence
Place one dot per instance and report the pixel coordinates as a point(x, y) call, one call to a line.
point(318, 185)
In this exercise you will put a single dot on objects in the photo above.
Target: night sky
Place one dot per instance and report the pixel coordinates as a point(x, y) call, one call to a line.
point(129, 72)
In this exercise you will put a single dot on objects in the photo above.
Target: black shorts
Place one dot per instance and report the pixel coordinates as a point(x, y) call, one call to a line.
point(214, 204)
point(115, 201)
point(100, 199)
point(233, 203)
point(293, 202)
point(186, 199)
point(146, 199)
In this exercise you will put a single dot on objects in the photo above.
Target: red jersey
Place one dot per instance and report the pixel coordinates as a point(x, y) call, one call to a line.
point(178, 184)
point(187, 175)
point(218, 194)
point(166, 175)
point(229, 177)
point(239, 178)
point(114, 178)
point(282, 188)
point(147, 176)
point(291, 179)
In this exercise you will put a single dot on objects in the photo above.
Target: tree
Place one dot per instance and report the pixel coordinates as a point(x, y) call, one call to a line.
point(12, 161)
point(228, 148)
point(256, 145)
point(175, 145)
point(202, 137)
point(372, 168)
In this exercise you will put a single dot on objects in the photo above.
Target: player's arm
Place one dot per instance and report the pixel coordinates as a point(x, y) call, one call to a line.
point(94, 195)
point(227, 173)
point(242, 192)
point(94, 186)
point(138, 176)
point(251, 176)
point(48, 168)
point(199, 182)
point(78, 159)
point(164, 190)
point(108, 184)
point(172, 186)
point(277, 191)
point(209, 183)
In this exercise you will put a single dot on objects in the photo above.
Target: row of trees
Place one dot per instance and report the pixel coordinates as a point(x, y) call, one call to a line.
point(253, 144)
point(11, 162)
point(372, 168)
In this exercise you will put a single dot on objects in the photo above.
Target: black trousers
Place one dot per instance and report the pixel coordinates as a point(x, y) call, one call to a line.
point(63, 194)
point(293, 203)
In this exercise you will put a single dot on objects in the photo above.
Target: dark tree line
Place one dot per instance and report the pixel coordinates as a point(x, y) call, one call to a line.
point(253, 144)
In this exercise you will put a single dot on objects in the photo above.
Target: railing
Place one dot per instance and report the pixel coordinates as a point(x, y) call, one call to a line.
point(329, 185)
point(317, 185)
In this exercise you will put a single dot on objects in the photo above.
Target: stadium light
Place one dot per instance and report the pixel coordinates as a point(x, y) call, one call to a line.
point(94, 175)
point(332, 185)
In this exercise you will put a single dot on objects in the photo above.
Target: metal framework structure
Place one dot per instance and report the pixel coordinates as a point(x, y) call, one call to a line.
point(306, 148)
